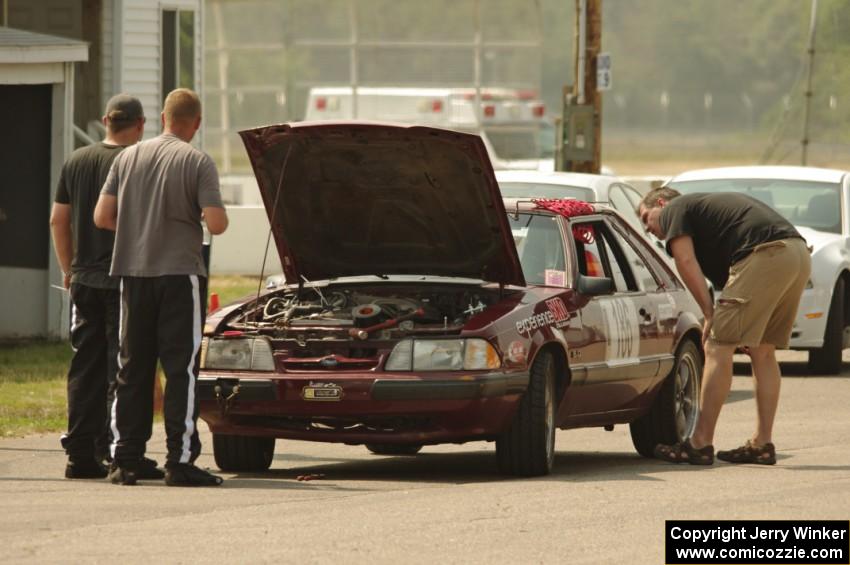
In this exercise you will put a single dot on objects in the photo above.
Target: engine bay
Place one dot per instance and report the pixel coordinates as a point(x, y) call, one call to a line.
point(362, 313)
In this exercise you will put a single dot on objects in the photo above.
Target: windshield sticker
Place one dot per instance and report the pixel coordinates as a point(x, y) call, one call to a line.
point(556, 314)
point(622, 336)
point(553, 277)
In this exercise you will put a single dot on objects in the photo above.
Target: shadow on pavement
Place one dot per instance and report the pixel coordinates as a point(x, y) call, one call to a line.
point(738, 395)
point(459, 468)
point(789, 369)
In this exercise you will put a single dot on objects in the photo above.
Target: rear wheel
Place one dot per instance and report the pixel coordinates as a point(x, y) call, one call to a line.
point(527, 448)
point(673, 415)
point(827, 359)
point(243, 453)
point(391, 449)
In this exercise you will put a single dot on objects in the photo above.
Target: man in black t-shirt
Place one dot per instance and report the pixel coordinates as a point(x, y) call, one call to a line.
point(84, 253)
point(762, 264)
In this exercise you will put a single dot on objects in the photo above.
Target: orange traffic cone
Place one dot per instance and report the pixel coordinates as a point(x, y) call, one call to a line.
point(213, 305)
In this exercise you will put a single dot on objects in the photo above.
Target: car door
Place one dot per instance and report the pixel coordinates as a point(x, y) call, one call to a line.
point(655, 288)
point(613, 370)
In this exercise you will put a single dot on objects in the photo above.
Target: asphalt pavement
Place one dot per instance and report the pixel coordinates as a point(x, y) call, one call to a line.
point(603, 504)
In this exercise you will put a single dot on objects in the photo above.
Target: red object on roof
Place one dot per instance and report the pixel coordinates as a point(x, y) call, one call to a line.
point(565, 207)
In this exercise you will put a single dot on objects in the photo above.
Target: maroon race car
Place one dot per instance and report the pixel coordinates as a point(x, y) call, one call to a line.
point(423, 310)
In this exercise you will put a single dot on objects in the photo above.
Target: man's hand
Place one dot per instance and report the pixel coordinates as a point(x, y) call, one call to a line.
point(706, 330)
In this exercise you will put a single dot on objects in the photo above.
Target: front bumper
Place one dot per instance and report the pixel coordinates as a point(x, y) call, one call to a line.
point(361, 408)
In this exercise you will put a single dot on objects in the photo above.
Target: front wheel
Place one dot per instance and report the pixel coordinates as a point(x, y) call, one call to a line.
point(527, 448)
point(827, 359)
point(243, 453)
point(673, 415)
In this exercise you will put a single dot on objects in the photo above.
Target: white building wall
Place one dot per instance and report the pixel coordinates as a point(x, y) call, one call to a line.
point(107, 78)
point(239, 250)
point(30, 305)
point(136, 26)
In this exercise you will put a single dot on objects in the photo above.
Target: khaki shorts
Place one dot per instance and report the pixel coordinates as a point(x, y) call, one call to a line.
point(761, 297)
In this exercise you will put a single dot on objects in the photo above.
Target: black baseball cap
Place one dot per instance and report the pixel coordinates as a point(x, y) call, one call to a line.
point(124, 108)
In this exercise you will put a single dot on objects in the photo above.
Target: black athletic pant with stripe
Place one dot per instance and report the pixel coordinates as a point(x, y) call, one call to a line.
point(91, 377)
point(161, 318)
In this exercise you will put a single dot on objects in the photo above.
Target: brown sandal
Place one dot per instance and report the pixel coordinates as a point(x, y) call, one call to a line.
point(750, 453)
point(684, 452)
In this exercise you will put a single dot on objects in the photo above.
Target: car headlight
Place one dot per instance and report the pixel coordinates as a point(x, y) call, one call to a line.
point(242, 354)
point(443, 355)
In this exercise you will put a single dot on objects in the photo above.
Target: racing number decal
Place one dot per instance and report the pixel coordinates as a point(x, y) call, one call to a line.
point(622, 336)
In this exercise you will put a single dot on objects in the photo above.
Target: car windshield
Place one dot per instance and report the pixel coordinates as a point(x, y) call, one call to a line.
point(540, 248)
point(540, 190)
point(815, 205)
point(522, 142)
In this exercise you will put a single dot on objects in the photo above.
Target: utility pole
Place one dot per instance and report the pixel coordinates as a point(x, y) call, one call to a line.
point(808, 102)
point(581, 140)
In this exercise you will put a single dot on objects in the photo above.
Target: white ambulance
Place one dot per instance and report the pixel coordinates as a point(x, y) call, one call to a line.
point(512, 123)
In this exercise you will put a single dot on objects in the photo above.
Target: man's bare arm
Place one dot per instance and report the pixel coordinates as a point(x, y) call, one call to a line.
point(106, 212)
point(686, 262)
point(216, 219)
point(63, 241)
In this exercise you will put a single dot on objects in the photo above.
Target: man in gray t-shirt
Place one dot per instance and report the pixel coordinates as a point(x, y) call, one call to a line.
point(154, 198)
point(162, 186)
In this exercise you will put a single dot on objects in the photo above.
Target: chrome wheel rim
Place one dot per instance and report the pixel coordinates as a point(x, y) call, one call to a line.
point(686, 396)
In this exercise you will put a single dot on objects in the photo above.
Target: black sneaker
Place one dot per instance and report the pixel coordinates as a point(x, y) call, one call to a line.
point(85, 469)
point(123, 474)
point(187, 475)
point(148, 471)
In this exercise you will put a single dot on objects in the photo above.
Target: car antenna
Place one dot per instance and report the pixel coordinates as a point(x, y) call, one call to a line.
point(271, 226)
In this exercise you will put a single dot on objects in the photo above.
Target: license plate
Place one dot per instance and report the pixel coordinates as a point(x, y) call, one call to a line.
point(322, 392)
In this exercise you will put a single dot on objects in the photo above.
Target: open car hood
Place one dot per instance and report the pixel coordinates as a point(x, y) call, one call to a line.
point(355, 198)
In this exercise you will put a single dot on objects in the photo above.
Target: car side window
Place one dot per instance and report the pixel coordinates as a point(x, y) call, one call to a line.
point(540, 247)
point(643, 276)
point(633, 196)
point(621, 203)
point(599, 255)
point(649, 260)
point(617, 271)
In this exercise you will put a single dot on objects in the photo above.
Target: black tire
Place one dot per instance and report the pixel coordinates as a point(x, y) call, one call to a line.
point(827, 359)
point(673, 414)
point(527, 448)
point(393, 449)
point(243, 453)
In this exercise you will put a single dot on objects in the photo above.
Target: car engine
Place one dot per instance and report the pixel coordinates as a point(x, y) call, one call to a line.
point(360, 314)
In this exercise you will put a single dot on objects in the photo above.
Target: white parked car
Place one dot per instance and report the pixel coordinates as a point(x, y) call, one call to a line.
point(605, 189)
point(816, 202)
